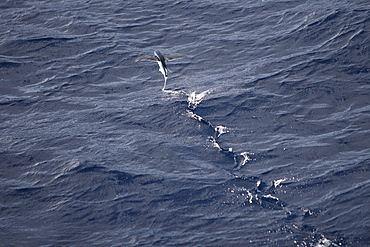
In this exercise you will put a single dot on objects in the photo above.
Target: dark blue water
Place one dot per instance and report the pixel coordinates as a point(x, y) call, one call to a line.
point(262, 139)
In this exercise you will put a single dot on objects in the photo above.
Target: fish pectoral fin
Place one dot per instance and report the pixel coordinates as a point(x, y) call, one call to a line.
point(172, 57)
point(145, 58)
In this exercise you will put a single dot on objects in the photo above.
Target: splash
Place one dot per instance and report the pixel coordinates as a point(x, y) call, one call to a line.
point(221, 130)
point(241, 159)
point(195, 99)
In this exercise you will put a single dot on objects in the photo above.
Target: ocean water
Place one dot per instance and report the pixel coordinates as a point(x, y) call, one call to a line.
point(262, 137)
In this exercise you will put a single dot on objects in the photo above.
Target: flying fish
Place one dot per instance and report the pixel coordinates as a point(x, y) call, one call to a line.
point(161, 60)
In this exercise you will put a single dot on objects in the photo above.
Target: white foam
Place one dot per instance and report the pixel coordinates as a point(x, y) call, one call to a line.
point(195, 99)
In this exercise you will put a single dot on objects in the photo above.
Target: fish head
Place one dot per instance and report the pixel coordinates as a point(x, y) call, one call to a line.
point(159, 56)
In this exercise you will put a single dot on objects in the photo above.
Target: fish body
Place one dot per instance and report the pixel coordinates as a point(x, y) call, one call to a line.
point(161, 60)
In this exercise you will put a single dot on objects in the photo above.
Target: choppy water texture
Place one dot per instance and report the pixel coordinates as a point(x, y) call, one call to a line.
point(262, 139)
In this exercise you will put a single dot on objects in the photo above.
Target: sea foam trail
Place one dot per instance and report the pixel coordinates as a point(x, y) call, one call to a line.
point(240, 159)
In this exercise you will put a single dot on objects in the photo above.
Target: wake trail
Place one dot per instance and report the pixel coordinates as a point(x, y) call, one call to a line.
point(193, 100)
